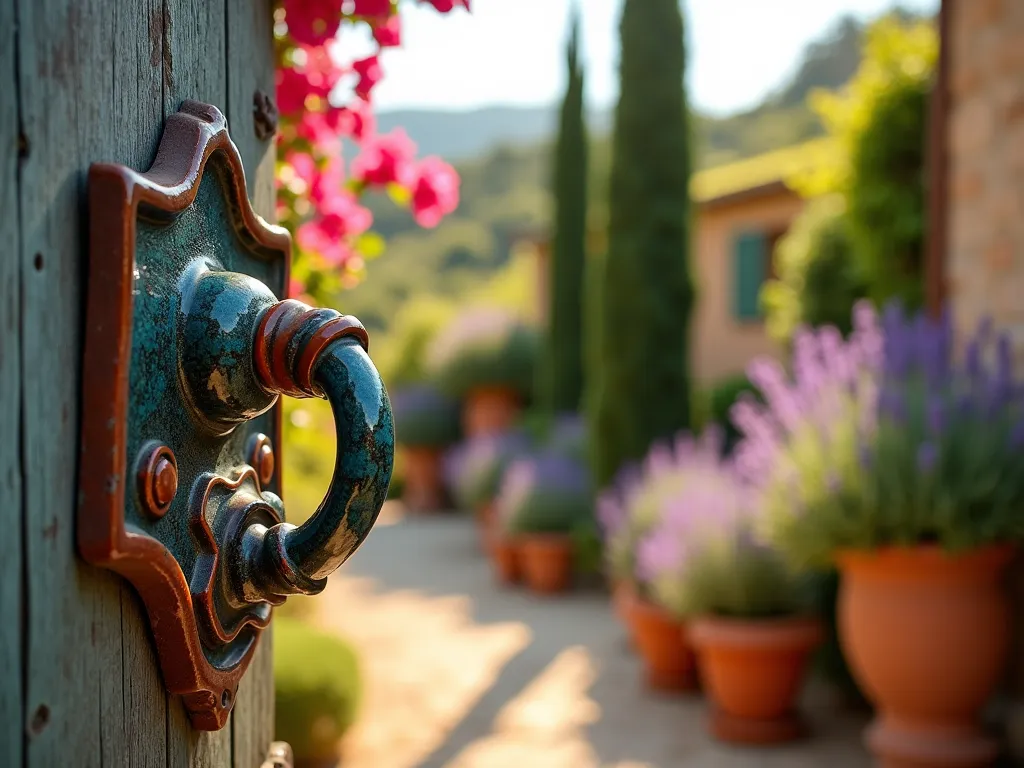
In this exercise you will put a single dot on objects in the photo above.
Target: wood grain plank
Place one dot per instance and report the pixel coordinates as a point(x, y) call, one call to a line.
point(194, 48)
point(11, 708)
point(137, 104)
point(74, 702)
point(250, 67)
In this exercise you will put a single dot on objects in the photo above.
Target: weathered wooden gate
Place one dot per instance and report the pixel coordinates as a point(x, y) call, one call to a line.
point(85, 81)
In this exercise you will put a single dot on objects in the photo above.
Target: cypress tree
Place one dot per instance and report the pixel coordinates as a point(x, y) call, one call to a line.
point(640, 388)
point(561, 371)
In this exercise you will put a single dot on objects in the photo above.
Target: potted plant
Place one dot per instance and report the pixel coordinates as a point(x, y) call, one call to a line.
point(475, 468)
point(544, 499)
point(485, 358)
point(630, 513)
point(745, 609)
point(910, 476)
point(426, 422)
point(317, 689)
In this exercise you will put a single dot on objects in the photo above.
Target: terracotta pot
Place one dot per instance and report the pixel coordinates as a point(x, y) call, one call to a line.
point(546, 562)
point(623, 593)
point(424, 483)
point(669, 663)
point(927, 636)
point(484, 517)
point(753, 671)
point(506, 558)
point(489, 411)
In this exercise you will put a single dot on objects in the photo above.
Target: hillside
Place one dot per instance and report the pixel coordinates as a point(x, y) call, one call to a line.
point(462, 135)
point(505, 190)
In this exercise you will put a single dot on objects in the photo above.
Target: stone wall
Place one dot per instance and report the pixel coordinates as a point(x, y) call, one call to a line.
point(985, 261)
point(985, 258)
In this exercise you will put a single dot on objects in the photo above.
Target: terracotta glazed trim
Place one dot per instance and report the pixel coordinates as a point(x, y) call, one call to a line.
point(117, 195)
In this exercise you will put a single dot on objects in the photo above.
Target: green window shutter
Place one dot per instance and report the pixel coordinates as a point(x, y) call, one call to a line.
point(748, 274)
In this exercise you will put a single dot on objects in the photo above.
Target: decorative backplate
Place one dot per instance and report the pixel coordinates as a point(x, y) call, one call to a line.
point(148, 449)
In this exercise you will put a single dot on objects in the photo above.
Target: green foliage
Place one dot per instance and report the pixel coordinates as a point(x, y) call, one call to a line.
point(721, 399)
point(425, 417)
point(545, 493)
point(560, 374)
point(400, 355)
point(887, 192)
point(550, 511)
point(830, 661)
point(732, 577)
point(641, 390)
point(484, 348)
point(878, 122)
point(818, 282)
point(317, 689)
point(308, 462)
point(588, 549)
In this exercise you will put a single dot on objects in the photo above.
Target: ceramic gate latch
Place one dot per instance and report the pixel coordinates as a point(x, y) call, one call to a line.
point(187, 351)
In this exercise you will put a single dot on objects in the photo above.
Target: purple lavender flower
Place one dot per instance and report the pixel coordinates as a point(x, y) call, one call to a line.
point(474, 468)
point(936, 416)
point(927, 457)
point(544, 491)
point(1016, 440)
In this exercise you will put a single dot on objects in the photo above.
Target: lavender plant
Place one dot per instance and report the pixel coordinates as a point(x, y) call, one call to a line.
point(424, 416)
point(548, 492)
point(568, 436)
point(473, 469)
point(483, 347)
point(947, 463)
point(703, 557)
point(634, 505)
point(885, 440)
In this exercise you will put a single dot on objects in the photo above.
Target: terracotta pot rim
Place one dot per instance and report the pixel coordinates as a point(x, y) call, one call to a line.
point(642, 605)
point(503, 540)
point(798, 631)
point(493, 389)
point(924, 558)
point(545, 538)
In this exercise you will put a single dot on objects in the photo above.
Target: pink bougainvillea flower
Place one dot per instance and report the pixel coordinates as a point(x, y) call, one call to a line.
point(292, 89)
point(316, 128)
point(371, 9)
point(446, 6)
point(389, 34)
point(370, 73)
point(304, 166)
point(296, 289)
point(329, 235)
point(315, 77)
point(312, 22)
point(386, 159)
point(328, 182)
point(356, 120)
point(435, 192)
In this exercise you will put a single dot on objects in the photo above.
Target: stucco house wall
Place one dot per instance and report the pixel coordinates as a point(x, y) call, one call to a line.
point(722, 344)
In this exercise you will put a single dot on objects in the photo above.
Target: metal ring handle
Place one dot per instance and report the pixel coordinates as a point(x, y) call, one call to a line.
point(306, 352)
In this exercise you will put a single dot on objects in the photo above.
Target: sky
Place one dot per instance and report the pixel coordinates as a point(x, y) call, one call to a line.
point(510, 52)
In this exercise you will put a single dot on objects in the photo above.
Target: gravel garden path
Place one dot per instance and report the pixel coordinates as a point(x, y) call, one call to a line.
point(461, 673)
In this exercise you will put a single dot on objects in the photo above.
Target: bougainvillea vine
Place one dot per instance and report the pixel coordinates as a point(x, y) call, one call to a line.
point(318, 192)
